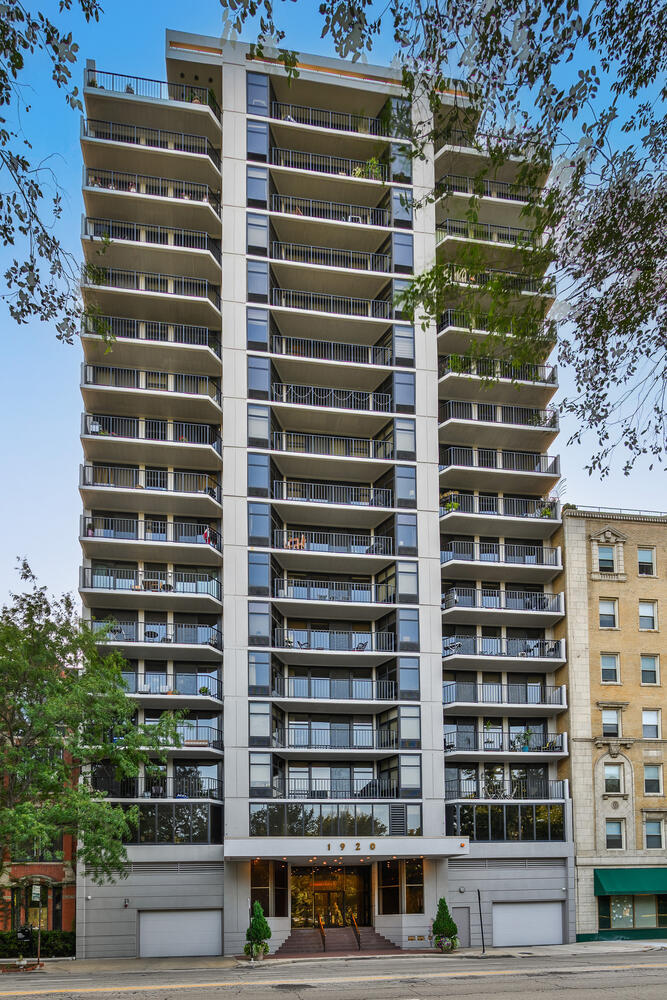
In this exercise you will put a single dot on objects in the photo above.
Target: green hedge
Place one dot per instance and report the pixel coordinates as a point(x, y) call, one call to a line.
point(55, 944)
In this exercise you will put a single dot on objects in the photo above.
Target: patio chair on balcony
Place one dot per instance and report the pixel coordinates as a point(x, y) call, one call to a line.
point(360, 647)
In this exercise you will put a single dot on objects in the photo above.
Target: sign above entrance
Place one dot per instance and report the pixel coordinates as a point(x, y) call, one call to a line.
point(308, 849)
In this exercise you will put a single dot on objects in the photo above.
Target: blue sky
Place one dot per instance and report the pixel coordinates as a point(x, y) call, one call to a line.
point(39, 377)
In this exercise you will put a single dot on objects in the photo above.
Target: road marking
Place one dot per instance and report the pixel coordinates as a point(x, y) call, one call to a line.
point(330, 980)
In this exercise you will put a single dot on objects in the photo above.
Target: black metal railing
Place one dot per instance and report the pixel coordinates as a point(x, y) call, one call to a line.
point(333, 541)
point(150, 530)
point(340, 121)
point(332, 445)
point(352, 496)
point(490, 413)
point(334, 737)
point(156, 138)
point(179, 683)
point(138, 329)
point(505, 600)
point(508, 461)
point(328, 350)
point(151, 581)
point(499, 552)
point(487, 231)
point(148, 281)
point(511, 281)
point(188, 634)
point(145, 429)
point(495, 368)
point(332, 211)
point(497, 788)
point(335, 788)
point(470, 645)
point(191, 787)
point(494, 741)
point(154, 187)
point(194, 733)
point(358, 260)
point(334, 688)
point(466, 503)
point(323, 163)
point(163, 90)
point(340, 399)
point(152, 381)
point(344, 305)
point(353, 592)
point(334, 640)
point(152, 235)
point(130, 478)
point(486, 188)
point(501, 694)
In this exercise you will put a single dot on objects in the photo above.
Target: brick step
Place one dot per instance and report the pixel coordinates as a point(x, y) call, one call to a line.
point(339, 941)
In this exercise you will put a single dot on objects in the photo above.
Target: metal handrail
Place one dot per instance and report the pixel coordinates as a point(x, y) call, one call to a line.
point(354, 496)
point(466, 503)
point(323, 163)
point(333, 541)
point(152, 235)
point(334, 211)
point(334, 445)
point(335, 788)
point(322, 118)
point(149, 281)
point(493, 740)
point(496, 788)
point(145, 429)
point(303, 253)
point(320, 925)
point(165, 683)
point(154, 187)
point(495, 368)
point(489, 693)
point(344, 305)
point(108, 376)
point(160, 581)
point(156, 138)
point(341, 399)
point(190, 731)
point(333, 688)
point(505, 600)
point(486, 187)
point(334, 640)
point(153, 330)
point(149, 530)
point(473, 322)
point(334, 738)
point(159, 632)
point(128, 477)
point(487, 231)
point(502, 552)
point(501, 413)
point(328, 350)
point(355, 928)
point(470, 645)
point(158, 787)
point(334, 590)
point(490, 458)
point(511, 280)
point(164, 90)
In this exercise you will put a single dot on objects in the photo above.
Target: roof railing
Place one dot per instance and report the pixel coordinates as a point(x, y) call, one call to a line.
point(141, 86)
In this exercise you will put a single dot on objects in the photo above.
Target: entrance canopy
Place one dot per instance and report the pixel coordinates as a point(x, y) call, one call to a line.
point(347, 850)
point(613, 881)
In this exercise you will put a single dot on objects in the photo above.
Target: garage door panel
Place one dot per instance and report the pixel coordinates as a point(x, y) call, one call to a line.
point(527, 923)
point(179, 933)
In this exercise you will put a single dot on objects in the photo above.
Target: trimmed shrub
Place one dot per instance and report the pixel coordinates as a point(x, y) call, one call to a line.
point(55, 944)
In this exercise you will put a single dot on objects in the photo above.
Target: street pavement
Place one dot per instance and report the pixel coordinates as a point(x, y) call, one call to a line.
point(575, 971)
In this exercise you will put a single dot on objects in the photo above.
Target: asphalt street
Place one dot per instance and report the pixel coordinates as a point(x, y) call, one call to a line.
point(642, 975)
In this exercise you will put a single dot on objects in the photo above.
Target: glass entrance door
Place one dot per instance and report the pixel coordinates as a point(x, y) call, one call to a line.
point(335, 894)
point(329, 906)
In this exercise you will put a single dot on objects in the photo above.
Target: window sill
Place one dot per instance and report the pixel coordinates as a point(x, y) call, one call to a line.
point(615, 795)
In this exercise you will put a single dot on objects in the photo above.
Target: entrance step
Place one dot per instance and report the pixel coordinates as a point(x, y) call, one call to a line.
point(302, 941)
point(372, 941)
point(340, 941)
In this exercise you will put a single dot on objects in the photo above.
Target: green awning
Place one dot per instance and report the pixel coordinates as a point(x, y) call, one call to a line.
point(610, 881)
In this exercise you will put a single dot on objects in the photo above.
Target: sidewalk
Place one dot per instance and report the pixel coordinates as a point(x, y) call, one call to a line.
point(91, 966)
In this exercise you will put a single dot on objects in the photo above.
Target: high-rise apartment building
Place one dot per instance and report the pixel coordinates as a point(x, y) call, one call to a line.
point(273, 453)
point(615, 582)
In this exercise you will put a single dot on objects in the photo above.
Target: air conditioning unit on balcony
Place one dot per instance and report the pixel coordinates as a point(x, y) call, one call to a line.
point(354, 218)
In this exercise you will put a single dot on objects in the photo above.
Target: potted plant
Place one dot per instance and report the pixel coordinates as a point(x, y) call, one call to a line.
point(257, 934)
point(129, 89)
point(488, 738)
point(524, 739)
point(204, 689)
point(451, 504)
point(445, 932)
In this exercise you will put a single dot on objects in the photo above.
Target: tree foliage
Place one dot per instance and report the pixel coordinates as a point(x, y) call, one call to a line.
point(444, 925)
point(259, 932)
point(64, 710)
point(577, 94)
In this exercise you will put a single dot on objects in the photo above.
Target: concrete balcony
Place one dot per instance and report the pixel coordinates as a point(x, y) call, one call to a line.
point(463, 513)
point(157, 393)
point(169, 298)
point(464, 377)
point(149, 640)
point(173, 690)
point(341, 693)
point(494, 470)
point(502, 245)
point(361, 310)
point(143, 246)
point(502, 700)
point(490, 425)
point(322, 409)
point(370, 170)
point(158, 787)
point(506, 282)
point(458, 330)
point(344, 599)
point(335, 741)
point(521, 789)
point(357, 366)
point(109, 438)
point(515, 746)
point(298, 498)
point(332, 550)
point(123, 488)
point(508, 561)
point(330, 455)
point(184, 590)
point(468, 605)
point(313, 645)
point(181, 348)
point(532, 655)
point(331, 788)
point(157, 200)
point(337, 121)
point(328, 257)
point(318, 210)
point(152, 539)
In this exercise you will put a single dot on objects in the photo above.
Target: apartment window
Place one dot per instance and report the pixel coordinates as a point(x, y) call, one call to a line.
point(407, 627)
point(405, 480)
point(402, 252)
point(259, 574)
point(611, 722)
point(649, 668)
point(259, 377)
point(258, 475)
point(257, 234)
point(404, 439)
point(260, 774)
point(401, 208)
point(614, 834)
point(409, 717)
point(404, 392)
point(390, 886)
point(404, 346)
point(259, 624)
point(414, 886)
point(408, 678)
point(606, 558)
point(609, 665)
point(646, 562)
point(259, 524)
point(257, 93)
point(612, 778)
point(652, 779)
point(406, 534)
point(257, 186)
point(410, 776)
point(257, 138)
point(259, 673)
point(258, 426)
point(258, 280)
point(257, 329)
point(650, 724)
point(647, 615)
point(401, 165)
point(398, 287)
point(608, 613)
point(259, 726)
point(653, 833)
point(407, 584)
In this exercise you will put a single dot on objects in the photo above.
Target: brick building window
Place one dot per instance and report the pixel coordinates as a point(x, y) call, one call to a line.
point(653, 833)
point(611, 722)
point(649, 667)
point(608, 613)
point(614, 834)
point(652, 779)
point(609, 665)
point(646, 562)
point(648, 615)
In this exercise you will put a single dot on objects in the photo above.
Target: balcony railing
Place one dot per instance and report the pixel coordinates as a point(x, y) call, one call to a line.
point(130, 478)
point(511, 281)
point(152, 581)
point(333, 541)
point(158, 788)
point(143, 429)
point(505, 600)
point(147, 281)
point(163, 90)
point(334, 590)
point(334, 788)
point(191, 684)
point(152, 381)
point(332, 211)
point(494, 741)
point(490, 413)
point(150, 530)
point(358, 260)
point(486, 188)
point(352, 496)
point(194, 733)
point(499, 552)
point(154, 187)
point(322, 163)
point(494, 368)
point(468, 321)
point(159, 632)
point(343, 305)
point(466, 503)
point(340, 399)
point(508, 461)
point(136, 232)
point(470, 645)
point(501, 694)
point(339, 120)
point(334, 688)
point(328, 350)
point(155, 138)
point(496, 788)
point(121, 328)
point(335, 737)
point(328, 444)
point(487, 231)
point(334, 640)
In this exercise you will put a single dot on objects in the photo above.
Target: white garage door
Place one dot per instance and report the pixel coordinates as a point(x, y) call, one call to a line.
point(527, 923)
point(180, 932)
